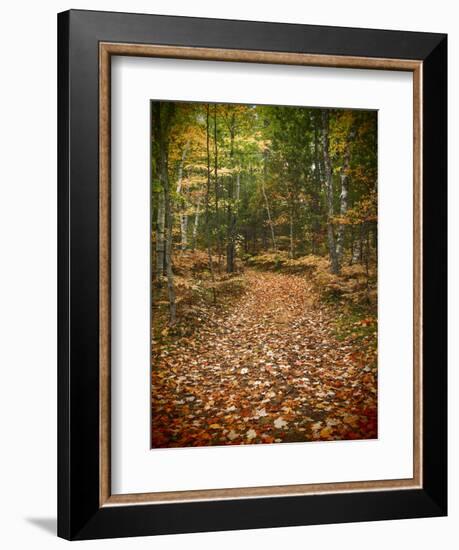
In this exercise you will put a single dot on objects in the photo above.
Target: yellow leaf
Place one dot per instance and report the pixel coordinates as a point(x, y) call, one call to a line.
point(352, 420)
point(326, 432)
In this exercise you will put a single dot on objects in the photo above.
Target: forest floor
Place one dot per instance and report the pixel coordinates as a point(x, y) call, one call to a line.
point(268, 365)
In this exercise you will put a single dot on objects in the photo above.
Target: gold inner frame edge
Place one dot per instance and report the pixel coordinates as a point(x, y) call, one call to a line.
point(106, 50)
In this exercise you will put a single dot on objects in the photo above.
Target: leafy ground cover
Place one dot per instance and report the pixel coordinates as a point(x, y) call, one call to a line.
point(278, 359)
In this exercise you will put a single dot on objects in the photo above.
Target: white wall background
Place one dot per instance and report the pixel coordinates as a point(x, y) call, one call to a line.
point(28, 271)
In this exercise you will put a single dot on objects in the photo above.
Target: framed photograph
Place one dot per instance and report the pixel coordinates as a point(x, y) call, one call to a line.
point(252, 274)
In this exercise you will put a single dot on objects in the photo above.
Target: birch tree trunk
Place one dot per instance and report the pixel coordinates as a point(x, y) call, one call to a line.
point(268, 211)
point(229, 210)
point(160, 226)
point(231, 251)
point(180, 169)
point(162, 116)
point(196, 223)
point(344, 195)
point(216, 191)
point(184, 231)
point(183, 214)
point(357, 248)
point(329, 192)
point(315, 200)
point(168, 250)
point(209, 253)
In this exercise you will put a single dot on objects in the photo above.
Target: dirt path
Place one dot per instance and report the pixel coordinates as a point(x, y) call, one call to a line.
point(268, 370)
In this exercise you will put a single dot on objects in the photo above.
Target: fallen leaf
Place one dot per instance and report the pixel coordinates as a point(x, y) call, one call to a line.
point(232, 435)
point(326, 432)
point(280, 423)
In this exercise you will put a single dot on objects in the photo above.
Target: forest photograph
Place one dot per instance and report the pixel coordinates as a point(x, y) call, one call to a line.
point(264, 249)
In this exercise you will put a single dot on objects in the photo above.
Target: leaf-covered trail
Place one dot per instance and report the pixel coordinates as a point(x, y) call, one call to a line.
point(268, 369)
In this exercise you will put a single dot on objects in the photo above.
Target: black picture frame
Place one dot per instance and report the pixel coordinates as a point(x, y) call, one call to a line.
point(80, 515)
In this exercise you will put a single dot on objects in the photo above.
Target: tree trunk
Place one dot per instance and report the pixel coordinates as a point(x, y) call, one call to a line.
point(229, 210)
point(180, 169)
point(344, 194)
point(184, 231)
point(160, 226)
point(196, 223)
point(231, 249)
point(216, 191)
point(183, 215)
point(230, 257)
point(291, 252)
point(329, 192)
point(238, 187)
point(367, 259)
point(162, 116)
point(358, 246)
point(168, 252)
point(209, 253)
point(352, 246)
point(315, 200)
point(263, 183)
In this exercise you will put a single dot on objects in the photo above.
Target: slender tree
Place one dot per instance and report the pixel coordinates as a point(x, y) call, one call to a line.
point(162, 118)
point(334, 265)
point(208, 235)
point(183, 210)
point(265, 196)
point(160, 237)
point(344, 179)
point(196, 222)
